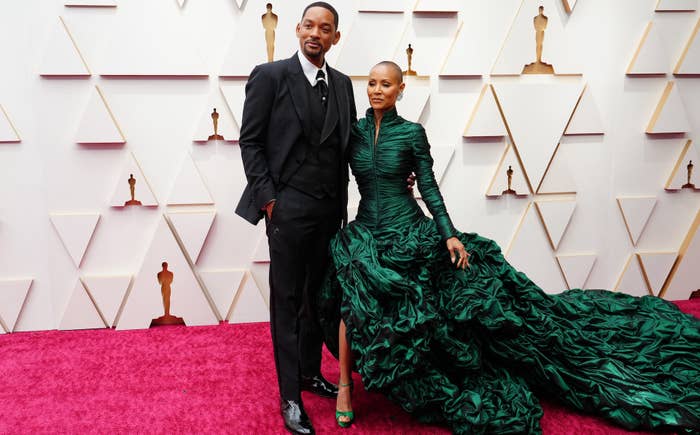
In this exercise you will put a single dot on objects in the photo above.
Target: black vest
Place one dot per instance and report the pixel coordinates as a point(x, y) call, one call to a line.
point(319, 174)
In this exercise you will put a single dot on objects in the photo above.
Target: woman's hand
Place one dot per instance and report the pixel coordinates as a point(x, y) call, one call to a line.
point(457, 252)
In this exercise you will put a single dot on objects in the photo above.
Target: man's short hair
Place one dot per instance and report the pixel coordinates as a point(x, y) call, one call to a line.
point(325, 6)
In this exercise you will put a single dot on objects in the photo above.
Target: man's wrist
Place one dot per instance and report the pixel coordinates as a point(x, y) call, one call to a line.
point(267, 204)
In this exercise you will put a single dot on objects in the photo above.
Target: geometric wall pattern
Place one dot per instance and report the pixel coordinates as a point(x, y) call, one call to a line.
point(75, 231)
point(98, 124)
point(632, 279)
point(13, 293)
point(599, 139)
point(650, 58)
point(669, 116)
point(576, 268)
point(8, 132)
point(676, 5)
point(62, 56)
point(635, 213)
point(689, 61)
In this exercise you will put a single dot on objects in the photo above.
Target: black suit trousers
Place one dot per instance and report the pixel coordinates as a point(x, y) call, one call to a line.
point(298, 236)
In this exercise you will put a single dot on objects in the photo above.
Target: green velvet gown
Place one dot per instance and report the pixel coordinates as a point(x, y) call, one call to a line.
point(472, 348)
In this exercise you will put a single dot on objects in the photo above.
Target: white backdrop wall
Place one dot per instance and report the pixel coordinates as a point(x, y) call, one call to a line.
point(161, 65)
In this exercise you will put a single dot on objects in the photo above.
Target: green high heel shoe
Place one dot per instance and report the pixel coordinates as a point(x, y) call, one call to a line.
point(349, 414)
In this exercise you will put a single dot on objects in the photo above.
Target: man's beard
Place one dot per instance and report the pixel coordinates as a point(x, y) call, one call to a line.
point(313, 53)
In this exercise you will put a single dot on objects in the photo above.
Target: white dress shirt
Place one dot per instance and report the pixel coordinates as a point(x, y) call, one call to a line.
point(310, 70)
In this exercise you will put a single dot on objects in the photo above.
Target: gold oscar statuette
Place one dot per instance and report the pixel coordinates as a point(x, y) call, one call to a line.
point(509, 174)
point(269, 22)
point(132, 190)
point(539, 67)
point(688, 184)
point(215, 120)
point(409, 54)
point(165, 279)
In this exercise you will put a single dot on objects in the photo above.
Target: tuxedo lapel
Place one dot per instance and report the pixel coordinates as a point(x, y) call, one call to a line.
point(297, 89)
point(331, 112)
point(341, 106)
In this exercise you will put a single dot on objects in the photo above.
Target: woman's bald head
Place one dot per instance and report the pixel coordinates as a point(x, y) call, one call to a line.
point(392, 66)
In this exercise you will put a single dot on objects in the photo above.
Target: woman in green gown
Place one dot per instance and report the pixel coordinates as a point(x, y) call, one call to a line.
point(473, 346)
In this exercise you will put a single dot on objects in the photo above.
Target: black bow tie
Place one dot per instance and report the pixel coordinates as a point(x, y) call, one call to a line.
point(321, 86)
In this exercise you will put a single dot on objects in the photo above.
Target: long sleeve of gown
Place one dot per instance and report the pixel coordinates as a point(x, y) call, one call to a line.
point(427, 185)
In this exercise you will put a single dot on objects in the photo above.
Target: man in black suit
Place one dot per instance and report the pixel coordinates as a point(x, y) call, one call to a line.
point(295, 130)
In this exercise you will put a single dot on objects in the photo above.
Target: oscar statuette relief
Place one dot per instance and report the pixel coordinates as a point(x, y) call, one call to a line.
point(269, 23)
point(539, 67)
point(132, 191)
point(215, 121)
point(165, 279)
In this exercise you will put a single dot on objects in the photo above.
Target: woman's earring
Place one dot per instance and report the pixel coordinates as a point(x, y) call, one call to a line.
point(400, 96)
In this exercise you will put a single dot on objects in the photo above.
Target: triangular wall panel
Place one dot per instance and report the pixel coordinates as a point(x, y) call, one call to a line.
point(62, 56)
point(223, 285)
point(250, 306)
point(92, 3)
point(8, 132)
point(145, 303)
point(430, 35)
point(384, 5)
point(519, 48)
point(226, 126)
point(13, 293)
point(360, 51)
point(479, 38)
point(80, 312)
point(189, 188)
point(631, 280)
point(650, 56)
point(485, 120)
point(676, 5)
point(437, 6)
point(684, 277)
point(547, 105)
point(555, 218)
point(530, 241)
point(569, 5)
point(636, 211)
point(234, 94)
point(689, 62)
point(414, 100)
point(107, 293)
point(98, 124)
point(248, 46)
point(558, 177)
point(656, 267)
point(679, 175)
point(586, 118)
point(142, 189)
point(669, 115)
point(75, 231)
point(442, 156)
point(262, 249)
point(499, 180)
point(576, 269)
point(192, 229)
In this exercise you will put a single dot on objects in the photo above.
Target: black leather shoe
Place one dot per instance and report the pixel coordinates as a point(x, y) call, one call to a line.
point(295, 419)
point(319, 386)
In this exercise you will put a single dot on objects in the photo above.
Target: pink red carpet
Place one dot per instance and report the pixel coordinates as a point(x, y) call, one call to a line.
point(175, 379)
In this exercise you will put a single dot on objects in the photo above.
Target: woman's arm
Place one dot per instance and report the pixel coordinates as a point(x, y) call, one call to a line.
point(430, 192)
point(427, 185)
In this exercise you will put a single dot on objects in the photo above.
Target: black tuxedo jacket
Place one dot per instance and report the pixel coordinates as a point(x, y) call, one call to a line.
point(275, 130)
